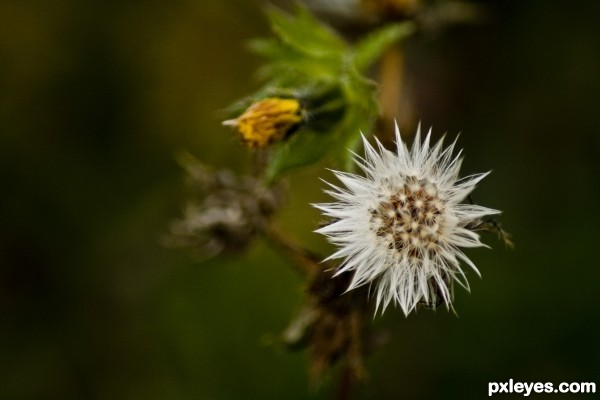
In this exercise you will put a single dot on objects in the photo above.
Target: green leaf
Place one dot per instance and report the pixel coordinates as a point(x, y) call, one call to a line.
point(303, 50)
point(303, 148)
point(369, 49)
point(306, 60)
point(355, 124)
point(305, 33)
point(362, 112)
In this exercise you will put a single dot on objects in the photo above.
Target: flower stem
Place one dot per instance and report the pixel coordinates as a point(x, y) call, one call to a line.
point(306, 262)
point(390, 78)
point(346, 384)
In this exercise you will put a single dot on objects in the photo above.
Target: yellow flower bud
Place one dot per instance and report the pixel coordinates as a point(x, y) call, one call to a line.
point(267, 121)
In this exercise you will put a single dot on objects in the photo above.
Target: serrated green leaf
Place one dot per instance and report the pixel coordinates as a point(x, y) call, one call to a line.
point(291, 62)
point(369, 49)
point(305, 33)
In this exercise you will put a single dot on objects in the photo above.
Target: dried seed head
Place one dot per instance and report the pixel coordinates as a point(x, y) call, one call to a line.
point(401, 225)
point(225, 213)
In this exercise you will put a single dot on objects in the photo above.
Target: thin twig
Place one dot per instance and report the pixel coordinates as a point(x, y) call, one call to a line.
point(305, 261)
point(391, 71)
point(395, 106)
point(346, 384)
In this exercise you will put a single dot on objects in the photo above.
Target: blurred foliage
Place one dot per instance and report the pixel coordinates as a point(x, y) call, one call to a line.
point(309, 61)
point(97, 97)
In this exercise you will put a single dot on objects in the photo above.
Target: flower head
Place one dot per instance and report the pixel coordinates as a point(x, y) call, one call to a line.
point(267, 121)
point(400, 226)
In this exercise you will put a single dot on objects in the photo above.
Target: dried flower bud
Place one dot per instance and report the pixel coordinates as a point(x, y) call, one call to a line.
point(268, 121)
point(226, 212)
point(331, 325)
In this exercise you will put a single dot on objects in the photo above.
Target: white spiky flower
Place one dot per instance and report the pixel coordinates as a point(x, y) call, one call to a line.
point(400, 226)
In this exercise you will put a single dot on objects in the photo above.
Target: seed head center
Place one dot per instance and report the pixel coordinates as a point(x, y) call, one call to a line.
point(410, 219)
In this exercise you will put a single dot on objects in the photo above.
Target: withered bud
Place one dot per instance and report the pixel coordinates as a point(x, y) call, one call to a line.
point(331, 325)
point(268, 121)
point(225, 212)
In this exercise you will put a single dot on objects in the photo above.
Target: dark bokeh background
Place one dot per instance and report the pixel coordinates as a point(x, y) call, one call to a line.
point(96, 99)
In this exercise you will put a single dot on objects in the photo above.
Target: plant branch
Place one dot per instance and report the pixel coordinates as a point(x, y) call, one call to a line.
point(305, 261)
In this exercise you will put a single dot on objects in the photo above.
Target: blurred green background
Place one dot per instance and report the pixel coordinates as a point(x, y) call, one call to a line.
point(96, 99)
